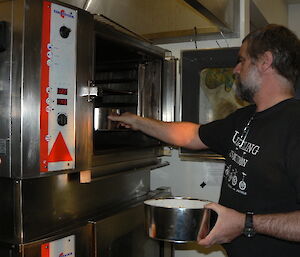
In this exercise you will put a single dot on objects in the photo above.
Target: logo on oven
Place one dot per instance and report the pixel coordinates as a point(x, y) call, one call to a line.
point(63, 13)
point(65, 255)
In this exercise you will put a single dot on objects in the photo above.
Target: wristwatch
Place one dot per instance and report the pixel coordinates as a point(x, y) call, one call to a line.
point(249, 230)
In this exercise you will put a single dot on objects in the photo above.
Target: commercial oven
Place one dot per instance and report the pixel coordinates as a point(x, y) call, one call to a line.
point(68, 176)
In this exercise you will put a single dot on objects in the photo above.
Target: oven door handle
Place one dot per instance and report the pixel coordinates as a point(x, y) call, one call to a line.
point(94, 90)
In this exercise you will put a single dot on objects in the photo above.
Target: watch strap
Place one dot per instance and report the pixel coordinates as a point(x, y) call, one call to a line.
point(249, 230)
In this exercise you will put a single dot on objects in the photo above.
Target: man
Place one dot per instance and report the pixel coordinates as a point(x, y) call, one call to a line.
point(261, 145)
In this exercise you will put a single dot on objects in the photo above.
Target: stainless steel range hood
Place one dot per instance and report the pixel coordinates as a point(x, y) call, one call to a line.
point(171, 21)
point(156, 19)
point(219, 12)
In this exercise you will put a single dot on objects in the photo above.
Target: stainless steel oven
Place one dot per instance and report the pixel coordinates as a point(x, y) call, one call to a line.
point(65, 170)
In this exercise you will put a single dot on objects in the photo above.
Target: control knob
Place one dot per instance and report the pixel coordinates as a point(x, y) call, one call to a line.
point(62, 119)
point(64, 31)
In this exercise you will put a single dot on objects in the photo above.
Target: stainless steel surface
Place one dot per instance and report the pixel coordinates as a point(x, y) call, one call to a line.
point(169, 89)
point(177, 220)
point(221, 13)
point(28, 87)
point(69, 202)
point(84, 109)
point(5, 91)
point(215, 11)
point(108, 32)
point(124, 28)
point(122, 234)
point(226, 11)
point(149, 96)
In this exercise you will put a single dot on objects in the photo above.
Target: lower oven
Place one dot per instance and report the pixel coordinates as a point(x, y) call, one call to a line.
point(119, 231)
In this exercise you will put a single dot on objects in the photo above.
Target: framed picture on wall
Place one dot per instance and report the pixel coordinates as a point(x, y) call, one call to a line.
point(208, 90)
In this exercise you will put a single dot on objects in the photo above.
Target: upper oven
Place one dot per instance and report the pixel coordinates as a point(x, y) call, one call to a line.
point(61, 77)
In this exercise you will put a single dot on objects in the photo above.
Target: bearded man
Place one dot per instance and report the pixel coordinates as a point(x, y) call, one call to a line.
point(258, 212)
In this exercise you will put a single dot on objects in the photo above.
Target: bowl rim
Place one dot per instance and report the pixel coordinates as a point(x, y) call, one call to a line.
point(147, 202)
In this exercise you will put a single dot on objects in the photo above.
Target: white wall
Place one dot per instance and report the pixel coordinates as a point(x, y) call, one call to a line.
point(294, 18)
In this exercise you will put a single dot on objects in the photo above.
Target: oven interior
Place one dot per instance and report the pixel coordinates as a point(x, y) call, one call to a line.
point(127, 80)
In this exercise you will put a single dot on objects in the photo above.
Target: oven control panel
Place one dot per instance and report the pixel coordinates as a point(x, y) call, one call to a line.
point(64, 247)
point(58, 88)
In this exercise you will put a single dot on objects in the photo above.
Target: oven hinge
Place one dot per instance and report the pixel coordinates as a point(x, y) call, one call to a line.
point(90, 91)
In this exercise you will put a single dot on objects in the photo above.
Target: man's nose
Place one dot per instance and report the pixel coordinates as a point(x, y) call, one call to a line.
point(236, 69)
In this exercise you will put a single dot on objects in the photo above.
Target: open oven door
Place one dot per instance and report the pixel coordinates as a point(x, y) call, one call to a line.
point(169, 89)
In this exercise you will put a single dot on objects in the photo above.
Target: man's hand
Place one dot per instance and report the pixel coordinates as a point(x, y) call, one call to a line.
point(229, 225)
point(185, 134)
point(127, 120)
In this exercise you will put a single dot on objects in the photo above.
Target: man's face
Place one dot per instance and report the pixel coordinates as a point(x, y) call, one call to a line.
point(247, 76)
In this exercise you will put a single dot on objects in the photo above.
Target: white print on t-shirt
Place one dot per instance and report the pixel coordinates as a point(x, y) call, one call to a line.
point(238, 159)
point(236, 176)
point(244, 145)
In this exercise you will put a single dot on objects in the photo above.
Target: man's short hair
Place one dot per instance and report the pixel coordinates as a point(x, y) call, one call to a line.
point(282, 43)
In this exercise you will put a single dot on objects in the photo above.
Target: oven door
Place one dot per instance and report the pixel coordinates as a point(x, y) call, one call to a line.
point(123, 235)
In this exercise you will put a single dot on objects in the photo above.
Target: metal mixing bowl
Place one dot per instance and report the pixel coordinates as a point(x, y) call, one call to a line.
point(177, 219)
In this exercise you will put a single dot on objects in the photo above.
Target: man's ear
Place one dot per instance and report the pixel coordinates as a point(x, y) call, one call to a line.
point(266, 61)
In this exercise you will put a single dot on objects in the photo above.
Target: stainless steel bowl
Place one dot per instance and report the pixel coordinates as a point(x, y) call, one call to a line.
point(177, 219)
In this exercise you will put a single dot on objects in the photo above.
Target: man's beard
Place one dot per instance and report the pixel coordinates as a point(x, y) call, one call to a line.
point(246, 88)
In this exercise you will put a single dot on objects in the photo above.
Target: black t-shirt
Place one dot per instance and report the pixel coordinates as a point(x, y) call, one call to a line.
point(262, 169)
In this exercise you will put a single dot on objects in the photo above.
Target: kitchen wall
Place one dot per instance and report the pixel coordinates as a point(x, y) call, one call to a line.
point(294, 18)
point(185, 177)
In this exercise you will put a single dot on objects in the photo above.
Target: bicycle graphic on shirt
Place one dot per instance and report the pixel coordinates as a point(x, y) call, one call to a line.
point(231, 174)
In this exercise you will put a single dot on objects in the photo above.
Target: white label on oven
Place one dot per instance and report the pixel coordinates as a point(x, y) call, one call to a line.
point(64, 247)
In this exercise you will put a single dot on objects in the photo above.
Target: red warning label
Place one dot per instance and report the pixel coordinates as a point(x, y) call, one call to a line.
point(59, 151)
